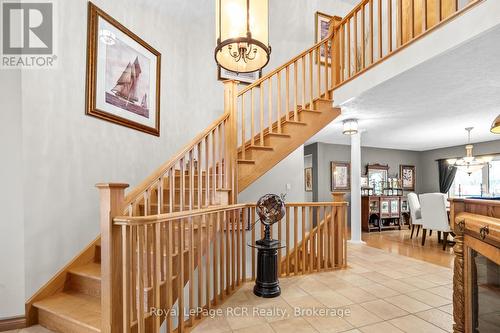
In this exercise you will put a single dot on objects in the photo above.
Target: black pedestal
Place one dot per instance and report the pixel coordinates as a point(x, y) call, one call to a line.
point(267, 284)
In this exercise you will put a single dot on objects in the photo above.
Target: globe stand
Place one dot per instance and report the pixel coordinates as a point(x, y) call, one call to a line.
point(267, 283)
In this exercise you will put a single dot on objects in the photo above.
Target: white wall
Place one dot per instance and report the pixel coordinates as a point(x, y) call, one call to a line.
point(11, 220)
point(64, 152)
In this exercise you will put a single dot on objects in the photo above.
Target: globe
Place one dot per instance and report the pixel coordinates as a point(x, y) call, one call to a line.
point(270, 209)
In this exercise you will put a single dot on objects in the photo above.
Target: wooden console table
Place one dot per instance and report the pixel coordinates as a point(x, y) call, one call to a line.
point(382, 212)
point(476, 224)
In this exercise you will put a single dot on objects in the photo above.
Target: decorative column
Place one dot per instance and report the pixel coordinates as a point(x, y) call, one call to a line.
point(356, 189)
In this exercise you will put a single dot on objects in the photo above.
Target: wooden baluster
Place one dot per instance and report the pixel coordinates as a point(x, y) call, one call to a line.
point(220, 177)
point(157, 272)
point(325, 66)
point(295, 92)
point(216, 256)
point(214, 169)
point(270, 105)
point(182, 179)
point(261, 95)
point(238, 246)
point(399, 23)
point(362, 41)
point(304, 83)
point(318, 70)
point(252, 118)
point(380, 51)
point(295, 239)
point(222, 267)
point(304, 243)
point(279, 102)
point(199, 256)
point(171, 189)
point(328, 233)
point(252, 221)
point(133, 282)
point(111, 198)
point(180, 274)
point(191, 180)
point(228, 253)
point(319, 237)
point(244, 244)
point(412, 18)
point(287, 93)
point(140, 279)
point(371, 32)
point(207, 222)
point(287, 237)
point(349, 47)
point(243, 127)
point(389, 26)
point(208, 197)
point(199, 179)
point(356, 42)
point(169, 284)
point(126, 278)
point(233, 250)
point(439, 11)
point(311, 82)
point(190, 244)
point(424, 15)
point(311, 241)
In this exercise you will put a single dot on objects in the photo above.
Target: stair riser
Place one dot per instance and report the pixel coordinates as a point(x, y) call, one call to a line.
point(252, 154)
point(84, 285)
point(60, 324)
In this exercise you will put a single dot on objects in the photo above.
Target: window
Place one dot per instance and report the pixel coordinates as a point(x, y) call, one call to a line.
point(466, 185)
point(494, 176)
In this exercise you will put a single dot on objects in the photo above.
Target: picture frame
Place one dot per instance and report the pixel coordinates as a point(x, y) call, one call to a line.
point(308, 181)
point(377, 177)
point(123, 75)
point(340, 176)
point(321, 29)
point(244, 78)
point(408, 175)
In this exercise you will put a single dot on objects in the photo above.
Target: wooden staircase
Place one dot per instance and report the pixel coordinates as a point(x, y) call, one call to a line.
point(206, 174)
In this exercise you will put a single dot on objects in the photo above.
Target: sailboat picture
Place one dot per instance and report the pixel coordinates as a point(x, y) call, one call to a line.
point(124, 75)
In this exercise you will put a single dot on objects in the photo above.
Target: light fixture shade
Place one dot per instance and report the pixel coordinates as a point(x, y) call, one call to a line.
point(495, 126)
point(350, 127)
point(242, 30)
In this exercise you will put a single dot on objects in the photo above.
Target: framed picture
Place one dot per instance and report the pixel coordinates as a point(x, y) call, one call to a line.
point(224, 74)
point(340, 176)
point(123, 75)
point(408, 177)
point(377, 176)
point(308, 180)
point(322, 25)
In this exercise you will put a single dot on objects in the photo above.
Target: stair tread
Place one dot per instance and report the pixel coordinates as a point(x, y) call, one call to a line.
point(258, 147)
point(296, 122)
point(77, 307)
point(91, 270)
point(310, 110)
point(245, 161)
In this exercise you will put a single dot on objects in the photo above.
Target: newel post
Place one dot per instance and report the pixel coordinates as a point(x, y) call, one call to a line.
point(335, 55)
point(230, 107)
point(111, 197)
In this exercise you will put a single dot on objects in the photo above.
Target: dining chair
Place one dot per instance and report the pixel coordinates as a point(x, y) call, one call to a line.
point(434, 215)
point(415, 213)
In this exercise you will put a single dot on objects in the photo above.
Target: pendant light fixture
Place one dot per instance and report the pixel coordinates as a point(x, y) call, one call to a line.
point(242, 28)
point(350, 127)
point(469, 163)
point(495, 126)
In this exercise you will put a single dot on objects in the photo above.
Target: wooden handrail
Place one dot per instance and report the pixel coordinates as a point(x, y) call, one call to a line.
point(290, 62)
point(150, 180)
point(152, 219)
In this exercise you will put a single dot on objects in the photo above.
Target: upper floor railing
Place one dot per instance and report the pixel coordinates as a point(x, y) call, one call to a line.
point(376, 29)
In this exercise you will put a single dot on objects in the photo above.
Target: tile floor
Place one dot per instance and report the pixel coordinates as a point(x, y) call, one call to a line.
point(384, 292)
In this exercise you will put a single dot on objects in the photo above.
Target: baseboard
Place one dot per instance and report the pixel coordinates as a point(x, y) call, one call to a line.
point(12, 323)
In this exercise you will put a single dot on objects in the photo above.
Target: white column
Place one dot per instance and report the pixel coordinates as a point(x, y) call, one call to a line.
point(356, 188)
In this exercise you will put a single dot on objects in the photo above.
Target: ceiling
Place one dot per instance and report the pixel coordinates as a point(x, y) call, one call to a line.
point(429, 106)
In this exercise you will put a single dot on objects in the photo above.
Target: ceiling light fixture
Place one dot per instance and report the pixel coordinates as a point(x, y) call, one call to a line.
point(242, 28)
point(469, 163)
point(350, 127)
point(495, 126)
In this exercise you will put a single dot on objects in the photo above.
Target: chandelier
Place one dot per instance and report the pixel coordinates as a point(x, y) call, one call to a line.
point(242, 35)
point(469, 163)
